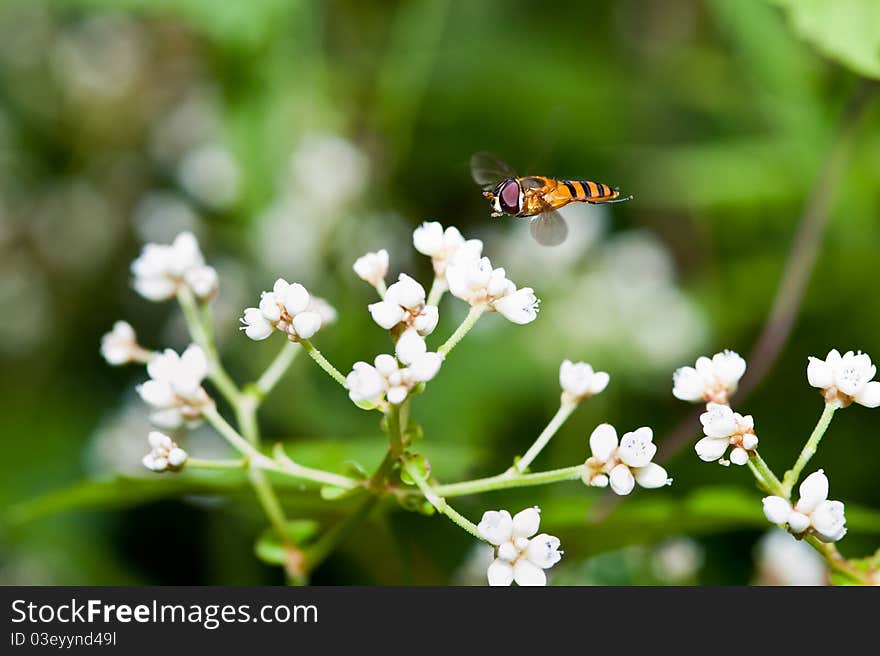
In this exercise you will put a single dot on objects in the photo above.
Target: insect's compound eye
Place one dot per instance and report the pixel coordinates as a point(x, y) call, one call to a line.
point(508, 195)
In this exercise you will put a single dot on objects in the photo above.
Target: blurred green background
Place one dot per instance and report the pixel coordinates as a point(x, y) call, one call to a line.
point(291, 137)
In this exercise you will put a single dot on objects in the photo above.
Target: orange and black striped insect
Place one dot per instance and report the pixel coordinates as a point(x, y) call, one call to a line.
point(536, 197)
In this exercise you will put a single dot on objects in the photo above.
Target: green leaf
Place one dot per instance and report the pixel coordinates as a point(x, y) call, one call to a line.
point(268, 547)
point(847, 31)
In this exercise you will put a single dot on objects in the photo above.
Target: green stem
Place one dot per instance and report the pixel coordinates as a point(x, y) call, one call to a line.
point(283, 464)
point(201, 463)
point(270, 503)
point(765, 475)
point(438, 288)
point(836, 562)
point(564, 412)
point(381, 289)
point(505, 481)
point(475, 313)
point(202, 336)
point(277, 368)
point(316, 355)
point(809, 450)
point(439, 502)
point(232, 436)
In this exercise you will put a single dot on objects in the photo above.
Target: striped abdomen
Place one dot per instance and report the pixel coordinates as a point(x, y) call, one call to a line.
point(588, 191)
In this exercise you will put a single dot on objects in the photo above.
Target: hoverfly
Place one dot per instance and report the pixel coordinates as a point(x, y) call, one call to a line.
point(536, 197)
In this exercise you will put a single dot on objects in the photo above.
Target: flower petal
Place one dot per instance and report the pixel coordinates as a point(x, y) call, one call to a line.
point(500, 573)
point(496, 526)
point(776, 509)
point(652, 476)
point(603, 441)
point(621, 480)
point(869, 396)
point(526, 522)
point(526, 573)
point(813, 491)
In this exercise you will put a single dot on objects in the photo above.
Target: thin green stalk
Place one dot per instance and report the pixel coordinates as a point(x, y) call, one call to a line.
point(270, 503)
point(809, 450)
point(564, 412)
point(202, 337)
point(505, 481)
point(438, 288)
point(381, 289)
point(284, 464)
point(836, 562)
point(475, 313)
point(201, 463)
point(277, 368)
point(438, 502)
point(765, 475)
point(316, 355)
point(232, 436)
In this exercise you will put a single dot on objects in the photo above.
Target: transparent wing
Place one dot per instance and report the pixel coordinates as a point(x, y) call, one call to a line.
point(549, 228)
point(487, 169)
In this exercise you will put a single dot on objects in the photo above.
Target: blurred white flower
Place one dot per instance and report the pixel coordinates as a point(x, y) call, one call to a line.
point(579, 381)
point(783, 561)
point(210, 174)
point(404, 303)
point(288, 308)
point(161, 270)
point(323, 309)
point(476, 282)
point(165, 454)
point(175, 387)
point(724, 428)
point(845, 378)
point(385, 378)
point(445, 247)
point(120, 345)
point(520, 555)
point(623, 464)
point(372, 268)
point(329, 169)
point(712, 380)
point(677, 561)
point(813, 513)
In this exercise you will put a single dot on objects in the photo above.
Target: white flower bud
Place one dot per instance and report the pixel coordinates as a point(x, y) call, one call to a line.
point(372, 267)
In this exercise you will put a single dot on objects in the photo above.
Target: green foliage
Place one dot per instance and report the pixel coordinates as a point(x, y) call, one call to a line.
point(847, 31)
point(272, 551)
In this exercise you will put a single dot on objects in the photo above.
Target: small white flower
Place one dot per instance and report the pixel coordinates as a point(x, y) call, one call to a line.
point(712, 380)
point(404, 304)
point(175, 387)
point(476, 282)
point(579, 381)
point(161, 270)
point(445, 247)
point(372, 268)
point(385, 378)
point(623, 464)
point(845, 378)
point(723, 428)
point(120, 345)
point(288, 308)
point(165, 455)
point(520, 555)
point(813, 513)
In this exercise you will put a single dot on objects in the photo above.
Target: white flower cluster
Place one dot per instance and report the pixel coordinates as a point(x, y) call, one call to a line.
point(476, 282)
point(404, 306)
point(165, 455)
point(161, 270)
point(813, 513)
point(404, 310)
point(579, 381)
point(445, 247)
point(387, 379)
point(520, 555)
point(725, 428)
point(288, 308)
point(175, 389)
point(623, 464)
point(846, 378)
point(712, 381)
